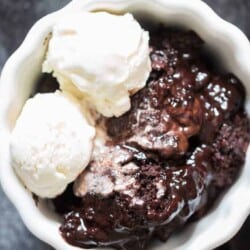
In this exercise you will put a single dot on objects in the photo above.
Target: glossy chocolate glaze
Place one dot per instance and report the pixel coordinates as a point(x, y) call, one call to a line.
point(186, 133)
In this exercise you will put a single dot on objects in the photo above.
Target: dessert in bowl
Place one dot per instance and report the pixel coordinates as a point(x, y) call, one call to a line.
point(163, 178)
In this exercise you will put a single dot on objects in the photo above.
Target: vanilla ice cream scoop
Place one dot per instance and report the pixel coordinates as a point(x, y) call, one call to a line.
point(51, 143)
point(101, 57)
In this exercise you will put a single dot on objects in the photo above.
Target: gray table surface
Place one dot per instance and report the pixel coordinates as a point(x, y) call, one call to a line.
point(16, 17)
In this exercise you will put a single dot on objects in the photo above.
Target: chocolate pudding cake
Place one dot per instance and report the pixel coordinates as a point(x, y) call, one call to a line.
point(165, 161)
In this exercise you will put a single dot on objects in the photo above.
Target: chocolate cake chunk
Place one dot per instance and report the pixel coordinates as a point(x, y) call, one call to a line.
point(229, 150)
point(183, 141)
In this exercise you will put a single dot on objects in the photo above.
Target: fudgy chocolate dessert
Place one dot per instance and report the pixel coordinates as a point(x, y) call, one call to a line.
point(165, 161)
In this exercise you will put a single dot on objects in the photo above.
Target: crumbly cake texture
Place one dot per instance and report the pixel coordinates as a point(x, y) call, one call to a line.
point(183, 142)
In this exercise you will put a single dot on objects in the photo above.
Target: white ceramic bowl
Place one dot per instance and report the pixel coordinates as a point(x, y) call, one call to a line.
point(24, 66)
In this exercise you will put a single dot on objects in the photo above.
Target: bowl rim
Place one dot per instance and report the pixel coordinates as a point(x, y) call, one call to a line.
point(241, 49)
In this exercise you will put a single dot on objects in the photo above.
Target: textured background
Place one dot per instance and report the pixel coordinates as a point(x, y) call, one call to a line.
point(16, 17)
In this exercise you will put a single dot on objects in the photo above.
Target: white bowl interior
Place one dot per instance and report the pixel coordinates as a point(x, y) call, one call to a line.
point(24, 67)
